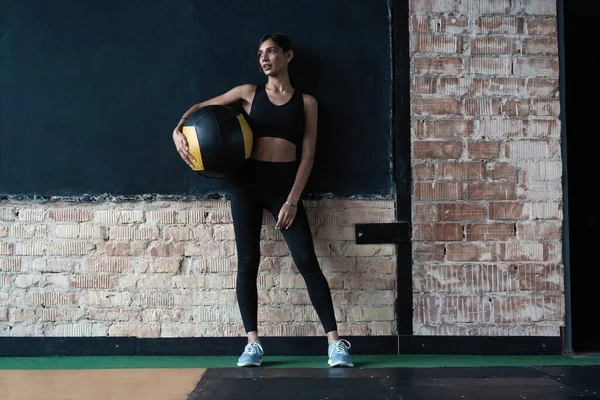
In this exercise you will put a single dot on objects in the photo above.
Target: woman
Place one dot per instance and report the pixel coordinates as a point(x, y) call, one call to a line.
point(284, 123)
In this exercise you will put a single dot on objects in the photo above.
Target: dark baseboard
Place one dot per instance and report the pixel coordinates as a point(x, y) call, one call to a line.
point(481, 345)
point(298, 346)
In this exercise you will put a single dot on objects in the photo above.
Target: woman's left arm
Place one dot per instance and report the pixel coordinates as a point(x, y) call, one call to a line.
point(309, 144)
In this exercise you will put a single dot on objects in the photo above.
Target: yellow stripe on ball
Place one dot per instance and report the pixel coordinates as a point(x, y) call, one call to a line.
point(247, 134)
point(194, 147)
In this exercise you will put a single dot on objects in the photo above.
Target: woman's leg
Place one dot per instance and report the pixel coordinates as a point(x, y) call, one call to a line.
point(300, 242)
point(247, 216)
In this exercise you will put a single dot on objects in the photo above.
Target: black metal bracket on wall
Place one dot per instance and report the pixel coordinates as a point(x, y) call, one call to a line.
point(382, 233)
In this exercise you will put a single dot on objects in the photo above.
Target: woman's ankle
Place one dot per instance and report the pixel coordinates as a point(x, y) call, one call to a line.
point(332, 337)
point(252, 336)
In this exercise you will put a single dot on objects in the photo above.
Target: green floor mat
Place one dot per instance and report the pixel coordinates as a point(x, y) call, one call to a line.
point(360, 361)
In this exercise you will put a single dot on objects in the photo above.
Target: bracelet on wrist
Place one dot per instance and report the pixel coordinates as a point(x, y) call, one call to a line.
point(287, 202)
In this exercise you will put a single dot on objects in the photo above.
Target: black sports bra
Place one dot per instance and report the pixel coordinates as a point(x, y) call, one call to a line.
point(270, 120)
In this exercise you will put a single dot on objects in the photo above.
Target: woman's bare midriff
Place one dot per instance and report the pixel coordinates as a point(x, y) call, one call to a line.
point(273, 149)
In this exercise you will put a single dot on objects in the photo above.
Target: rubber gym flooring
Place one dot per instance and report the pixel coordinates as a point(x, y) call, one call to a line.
point(391, 377)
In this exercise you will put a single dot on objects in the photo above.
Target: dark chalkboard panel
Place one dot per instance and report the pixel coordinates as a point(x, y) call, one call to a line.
point(91, 90)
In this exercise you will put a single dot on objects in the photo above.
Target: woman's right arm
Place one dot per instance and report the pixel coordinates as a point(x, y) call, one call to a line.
point(242, 93)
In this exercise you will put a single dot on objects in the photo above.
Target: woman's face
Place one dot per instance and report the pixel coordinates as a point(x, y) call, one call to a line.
point(272, 59)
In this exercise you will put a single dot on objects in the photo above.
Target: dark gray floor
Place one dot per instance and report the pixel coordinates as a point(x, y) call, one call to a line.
point(548, 383)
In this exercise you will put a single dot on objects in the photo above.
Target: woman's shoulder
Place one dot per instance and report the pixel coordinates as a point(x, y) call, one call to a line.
point(246, 91)
point(309, 100)
point(309, 104)
point(247, 87)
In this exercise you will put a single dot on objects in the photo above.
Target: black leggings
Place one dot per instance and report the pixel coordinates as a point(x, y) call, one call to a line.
point(266, 185)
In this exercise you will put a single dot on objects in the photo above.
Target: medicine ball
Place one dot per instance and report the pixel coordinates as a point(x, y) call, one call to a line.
point(219, 138)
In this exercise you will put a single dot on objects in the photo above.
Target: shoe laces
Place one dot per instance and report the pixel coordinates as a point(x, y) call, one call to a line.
point(253, 348)
point(341, 346)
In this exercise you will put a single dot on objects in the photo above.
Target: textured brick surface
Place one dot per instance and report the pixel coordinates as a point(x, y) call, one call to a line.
point(487, 196)
point(168, 269)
